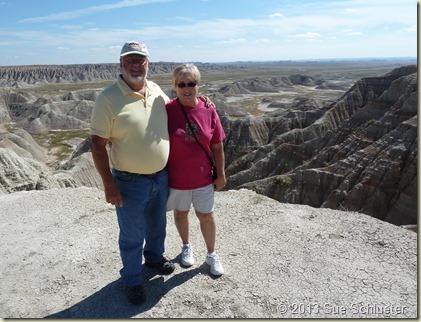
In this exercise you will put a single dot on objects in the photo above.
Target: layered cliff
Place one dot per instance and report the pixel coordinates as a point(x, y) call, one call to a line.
point(357, 153)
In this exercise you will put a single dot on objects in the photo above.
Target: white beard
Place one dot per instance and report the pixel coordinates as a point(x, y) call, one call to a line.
point(135, 79)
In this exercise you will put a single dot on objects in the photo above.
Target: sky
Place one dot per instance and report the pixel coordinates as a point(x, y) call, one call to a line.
point(46, 32)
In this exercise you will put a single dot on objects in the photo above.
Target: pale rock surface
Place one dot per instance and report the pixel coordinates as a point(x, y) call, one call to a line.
point(60, 259)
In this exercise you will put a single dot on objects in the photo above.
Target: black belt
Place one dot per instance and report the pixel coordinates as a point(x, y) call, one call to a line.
point(140, 174)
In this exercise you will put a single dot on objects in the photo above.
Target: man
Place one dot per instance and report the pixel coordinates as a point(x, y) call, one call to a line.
point(129, 131)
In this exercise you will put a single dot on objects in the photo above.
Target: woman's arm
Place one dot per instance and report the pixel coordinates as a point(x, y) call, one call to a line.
point(219, 157)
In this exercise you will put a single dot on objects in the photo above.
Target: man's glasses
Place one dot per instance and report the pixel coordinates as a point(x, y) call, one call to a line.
point(182, 85)
point(141, 62)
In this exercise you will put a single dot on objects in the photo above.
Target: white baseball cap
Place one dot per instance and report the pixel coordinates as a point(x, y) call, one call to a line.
point(134, 47)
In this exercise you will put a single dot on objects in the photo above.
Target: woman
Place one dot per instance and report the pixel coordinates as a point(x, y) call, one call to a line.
point(189, 164)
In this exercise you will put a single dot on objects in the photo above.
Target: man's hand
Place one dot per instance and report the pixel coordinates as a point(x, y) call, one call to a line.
point(100, 156)
point(207, 101)
point(112, 193)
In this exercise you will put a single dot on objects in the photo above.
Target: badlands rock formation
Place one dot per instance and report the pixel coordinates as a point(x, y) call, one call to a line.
point(22, 76)
point(357, 153)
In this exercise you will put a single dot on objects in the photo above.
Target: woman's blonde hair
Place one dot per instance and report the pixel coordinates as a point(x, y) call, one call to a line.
point(185, 70)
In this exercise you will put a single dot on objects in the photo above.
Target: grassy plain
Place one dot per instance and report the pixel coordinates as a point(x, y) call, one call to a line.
point(350, 71)
point(60, 144)
point(340, 70)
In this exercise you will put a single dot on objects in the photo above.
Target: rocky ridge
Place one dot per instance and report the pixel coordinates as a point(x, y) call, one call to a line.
point(23, 76)
point(357, 153)
point(60, 260)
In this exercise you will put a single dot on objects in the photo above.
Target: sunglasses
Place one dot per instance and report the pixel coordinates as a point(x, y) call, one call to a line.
point(182, 85)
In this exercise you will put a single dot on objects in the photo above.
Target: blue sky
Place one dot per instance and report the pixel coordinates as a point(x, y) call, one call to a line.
point(93, 31)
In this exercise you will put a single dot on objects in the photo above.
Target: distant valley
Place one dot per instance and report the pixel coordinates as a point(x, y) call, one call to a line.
point(340, 134)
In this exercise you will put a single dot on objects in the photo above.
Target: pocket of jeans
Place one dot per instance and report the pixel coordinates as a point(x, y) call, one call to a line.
point(124, 177)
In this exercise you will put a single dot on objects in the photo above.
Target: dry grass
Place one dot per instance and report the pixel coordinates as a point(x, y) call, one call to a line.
point(58, 143)
point(62, 88)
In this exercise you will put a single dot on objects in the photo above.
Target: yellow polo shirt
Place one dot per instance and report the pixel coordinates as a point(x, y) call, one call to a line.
point(136, 126)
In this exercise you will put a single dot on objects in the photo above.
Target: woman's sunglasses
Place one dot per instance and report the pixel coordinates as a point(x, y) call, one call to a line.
point(182, 85)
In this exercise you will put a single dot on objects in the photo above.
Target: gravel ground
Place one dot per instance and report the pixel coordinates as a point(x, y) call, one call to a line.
point(60, 260)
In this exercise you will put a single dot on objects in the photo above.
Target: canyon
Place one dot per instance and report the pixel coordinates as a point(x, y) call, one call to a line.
point(318, 138)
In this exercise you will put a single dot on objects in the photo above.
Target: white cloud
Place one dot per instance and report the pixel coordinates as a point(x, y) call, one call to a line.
point(276, 15)
point(262, 40)
point(231, 41)
point(329, 23)
point(411, 29)
point(68, 15)
point(308, 35)
point(354, 33)
point(70, 27)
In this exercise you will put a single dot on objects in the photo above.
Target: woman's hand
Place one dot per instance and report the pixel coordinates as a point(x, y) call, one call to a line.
point(220, 182)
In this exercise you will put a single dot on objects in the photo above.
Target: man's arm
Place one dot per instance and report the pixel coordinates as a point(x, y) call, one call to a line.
point(101, 161)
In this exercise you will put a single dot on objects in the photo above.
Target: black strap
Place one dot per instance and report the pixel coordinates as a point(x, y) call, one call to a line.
point(192, 130)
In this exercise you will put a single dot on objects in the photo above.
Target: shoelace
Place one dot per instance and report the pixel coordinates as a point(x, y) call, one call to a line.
point(215, 260)
point(186, 251)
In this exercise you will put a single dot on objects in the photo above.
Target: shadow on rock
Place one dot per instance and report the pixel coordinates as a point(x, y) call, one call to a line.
point(111, 301)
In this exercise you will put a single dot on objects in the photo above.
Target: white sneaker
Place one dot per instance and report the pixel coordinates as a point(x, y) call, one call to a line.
point(187, 255)
point(215, 265)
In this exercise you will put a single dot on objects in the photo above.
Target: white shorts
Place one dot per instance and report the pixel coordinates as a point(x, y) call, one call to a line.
point(203, 199)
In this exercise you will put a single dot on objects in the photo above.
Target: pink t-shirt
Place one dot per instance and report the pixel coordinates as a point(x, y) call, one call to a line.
point(188, 165)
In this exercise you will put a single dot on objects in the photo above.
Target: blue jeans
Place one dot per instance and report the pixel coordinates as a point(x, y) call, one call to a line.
point(142, 221)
